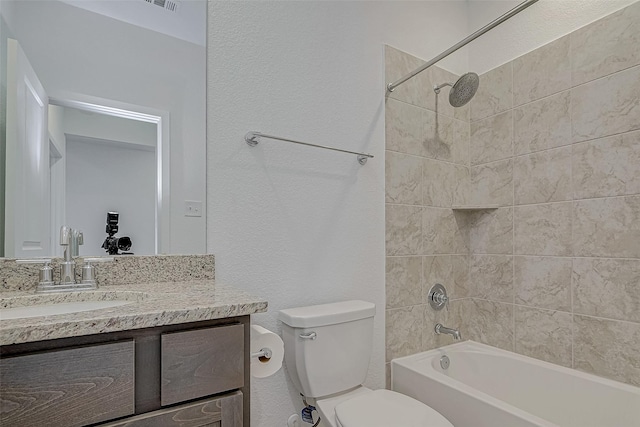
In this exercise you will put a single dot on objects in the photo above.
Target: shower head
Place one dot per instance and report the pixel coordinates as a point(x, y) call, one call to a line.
point(462, 90)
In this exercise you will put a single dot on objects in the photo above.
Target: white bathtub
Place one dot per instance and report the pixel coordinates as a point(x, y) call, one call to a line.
point(488, 387)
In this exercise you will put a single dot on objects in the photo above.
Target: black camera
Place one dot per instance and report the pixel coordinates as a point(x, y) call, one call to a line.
point(114, 244)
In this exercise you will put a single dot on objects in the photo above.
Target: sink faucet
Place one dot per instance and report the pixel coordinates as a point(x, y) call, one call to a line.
point(440, 329)
point(67, 267)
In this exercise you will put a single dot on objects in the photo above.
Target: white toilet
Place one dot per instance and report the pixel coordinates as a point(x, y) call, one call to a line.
point(327, 349)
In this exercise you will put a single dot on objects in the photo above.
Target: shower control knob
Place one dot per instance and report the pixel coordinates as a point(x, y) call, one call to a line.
point(438, 297)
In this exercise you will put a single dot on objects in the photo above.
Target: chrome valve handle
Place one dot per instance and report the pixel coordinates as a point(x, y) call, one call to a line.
point(438, 297)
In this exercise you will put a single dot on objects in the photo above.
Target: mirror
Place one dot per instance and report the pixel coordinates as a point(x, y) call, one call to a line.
point(118, 90)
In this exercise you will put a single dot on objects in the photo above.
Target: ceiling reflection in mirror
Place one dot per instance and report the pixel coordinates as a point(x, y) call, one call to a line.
point(104, 111)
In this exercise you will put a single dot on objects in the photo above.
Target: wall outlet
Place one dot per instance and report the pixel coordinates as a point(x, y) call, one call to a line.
point(192, 208)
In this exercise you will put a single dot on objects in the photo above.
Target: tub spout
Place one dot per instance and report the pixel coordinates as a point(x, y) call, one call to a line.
point(440, 329)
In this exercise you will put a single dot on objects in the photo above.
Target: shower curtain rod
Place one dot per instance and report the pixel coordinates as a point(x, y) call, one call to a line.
point(519, 8)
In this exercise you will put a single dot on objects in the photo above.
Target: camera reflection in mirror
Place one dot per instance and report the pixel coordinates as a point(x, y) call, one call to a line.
point(113, 244)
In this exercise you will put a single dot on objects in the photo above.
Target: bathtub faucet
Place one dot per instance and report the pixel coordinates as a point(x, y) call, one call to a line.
point(440, 329)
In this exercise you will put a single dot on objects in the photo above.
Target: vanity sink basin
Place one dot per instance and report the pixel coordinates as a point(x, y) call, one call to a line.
point(22, 307)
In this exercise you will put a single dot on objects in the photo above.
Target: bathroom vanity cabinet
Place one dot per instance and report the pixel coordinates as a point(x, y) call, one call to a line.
point(194, 374)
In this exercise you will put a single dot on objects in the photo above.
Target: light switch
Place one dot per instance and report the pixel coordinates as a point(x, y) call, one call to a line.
point(192, 208)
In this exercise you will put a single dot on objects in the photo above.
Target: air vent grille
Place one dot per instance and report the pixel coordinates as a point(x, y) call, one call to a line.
point(170, 5)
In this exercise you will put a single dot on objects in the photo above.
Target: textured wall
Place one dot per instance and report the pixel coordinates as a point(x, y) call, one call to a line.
point(555, 142)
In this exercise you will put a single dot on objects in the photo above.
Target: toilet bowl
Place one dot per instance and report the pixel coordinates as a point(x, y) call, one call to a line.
point(327, 352)
point(378, 408)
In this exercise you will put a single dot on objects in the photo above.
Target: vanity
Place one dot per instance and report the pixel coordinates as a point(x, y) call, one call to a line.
point(170, 353)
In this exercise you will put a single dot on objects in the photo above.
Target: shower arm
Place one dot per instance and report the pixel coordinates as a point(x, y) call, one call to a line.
point(519, 8)
point(437, 88)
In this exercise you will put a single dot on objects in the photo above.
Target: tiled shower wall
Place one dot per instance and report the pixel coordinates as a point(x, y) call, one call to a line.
point(427, 172)
point(555, 142)
point(554, 272)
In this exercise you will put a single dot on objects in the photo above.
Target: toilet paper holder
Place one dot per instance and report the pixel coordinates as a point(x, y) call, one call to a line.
point(263, 355)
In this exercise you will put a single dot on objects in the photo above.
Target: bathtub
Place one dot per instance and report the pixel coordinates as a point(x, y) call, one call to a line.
point(488, 387)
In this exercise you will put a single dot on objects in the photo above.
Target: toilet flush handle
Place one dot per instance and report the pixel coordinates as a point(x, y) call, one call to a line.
point(309, 336)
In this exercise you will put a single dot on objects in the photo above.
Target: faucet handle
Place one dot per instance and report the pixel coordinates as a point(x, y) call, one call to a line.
point(46, 272)
point(438, 297)
point(89, 271)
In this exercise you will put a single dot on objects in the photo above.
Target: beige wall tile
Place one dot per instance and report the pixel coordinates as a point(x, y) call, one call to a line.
point(397, 65)
point(607, 167)
point(543, 229)
point(403, 328)
point(606, 106)
point(439, 183)
point(543, 282)
point(404, 127)
point(403, 281)
point(544, 334)
point(491, 232)
point(442, 234)
point(494, 94)
point(403, 230)
point(492, 139)
point(451, 271)
point(543, 177)
point(403, 179)
point(438, 137)
point(490, 323)
point(492, 277)
point(542, 72)
point(607, 227)
point(462, 188)
point(608, 348)
point(462, 138)
point(607, 288)
point(607, 45)
point(492, 183)
point(542, 124)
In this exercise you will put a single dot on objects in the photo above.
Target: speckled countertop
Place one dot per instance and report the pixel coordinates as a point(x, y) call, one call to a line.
point(152, 304)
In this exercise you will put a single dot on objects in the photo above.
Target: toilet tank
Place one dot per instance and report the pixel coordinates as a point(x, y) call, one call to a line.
point(327, 347)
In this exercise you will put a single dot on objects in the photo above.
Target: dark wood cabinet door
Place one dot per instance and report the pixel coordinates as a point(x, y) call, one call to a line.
point(201, 362)
point(68, 387)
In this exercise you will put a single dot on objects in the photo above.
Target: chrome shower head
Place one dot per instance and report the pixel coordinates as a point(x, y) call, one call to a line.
point(462, 90)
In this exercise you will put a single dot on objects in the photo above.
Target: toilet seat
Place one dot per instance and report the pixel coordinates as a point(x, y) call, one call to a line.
point(385, 408)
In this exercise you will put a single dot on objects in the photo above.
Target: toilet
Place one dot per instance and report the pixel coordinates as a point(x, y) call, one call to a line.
point(327, 352)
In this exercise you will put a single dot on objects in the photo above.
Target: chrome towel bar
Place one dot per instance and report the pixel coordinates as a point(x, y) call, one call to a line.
point(252, 138)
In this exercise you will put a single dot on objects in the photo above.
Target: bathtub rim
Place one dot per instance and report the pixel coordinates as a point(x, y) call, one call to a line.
point(476, 347)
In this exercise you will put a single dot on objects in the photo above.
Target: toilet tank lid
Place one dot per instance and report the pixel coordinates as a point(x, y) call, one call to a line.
point(327, 314)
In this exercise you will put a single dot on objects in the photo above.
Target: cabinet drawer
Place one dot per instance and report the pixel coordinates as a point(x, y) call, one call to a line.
point(201, 362)
point(70, 387)
point(224, 411)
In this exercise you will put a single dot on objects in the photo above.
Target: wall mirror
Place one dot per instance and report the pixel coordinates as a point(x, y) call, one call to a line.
point(103, 110)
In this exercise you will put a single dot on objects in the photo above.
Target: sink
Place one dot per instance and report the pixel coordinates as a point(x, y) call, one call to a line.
point(21, 307)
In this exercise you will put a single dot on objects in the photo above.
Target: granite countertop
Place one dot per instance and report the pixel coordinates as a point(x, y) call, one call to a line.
point(152, 304)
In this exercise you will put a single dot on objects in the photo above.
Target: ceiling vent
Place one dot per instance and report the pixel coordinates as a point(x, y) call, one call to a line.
point(170, 5)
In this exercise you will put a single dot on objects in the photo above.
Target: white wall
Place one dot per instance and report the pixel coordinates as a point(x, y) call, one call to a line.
point(93, 189)
point(293, 224)
point(541, 23)
point(77, 51)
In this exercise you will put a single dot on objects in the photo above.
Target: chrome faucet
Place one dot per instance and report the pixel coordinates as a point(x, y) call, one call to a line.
point(440, 329)
point(68, 266)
